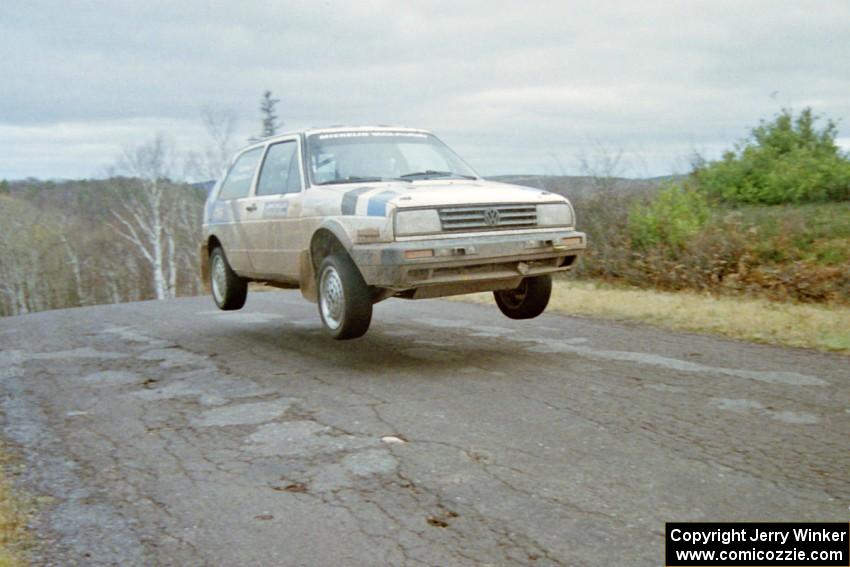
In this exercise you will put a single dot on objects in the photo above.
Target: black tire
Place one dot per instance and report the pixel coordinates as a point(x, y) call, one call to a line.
point(345, 304)
point(528, 300)
point(228, 289)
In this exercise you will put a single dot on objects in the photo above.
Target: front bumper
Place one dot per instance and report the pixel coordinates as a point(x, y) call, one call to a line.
point(468, 263)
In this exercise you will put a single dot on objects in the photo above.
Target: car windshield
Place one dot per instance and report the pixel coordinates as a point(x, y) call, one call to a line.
point(381, 155)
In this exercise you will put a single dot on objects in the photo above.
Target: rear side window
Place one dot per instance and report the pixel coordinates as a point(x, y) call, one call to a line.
point(238, 181)
point(280, 173)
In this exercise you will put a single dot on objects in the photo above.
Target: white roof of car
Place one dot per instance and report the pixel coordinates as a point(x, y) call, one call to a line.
point(328, 129)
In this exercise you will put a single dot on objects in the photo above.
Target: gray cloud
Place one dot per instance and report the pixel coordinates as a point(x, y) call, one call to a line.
point(510, 84)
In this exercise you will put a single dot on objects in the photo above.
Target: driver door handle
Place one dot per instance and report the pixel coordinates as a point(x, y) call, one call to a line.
point(251, 208)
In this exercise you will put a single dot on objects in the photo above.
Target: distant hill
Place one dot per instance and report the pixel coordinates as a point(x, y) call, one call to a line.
point(582, 187)
point(572, 186)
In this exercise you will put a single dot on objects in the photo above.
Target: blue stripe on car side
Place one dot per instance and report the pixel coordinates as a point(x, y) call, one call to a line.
point(377, 206)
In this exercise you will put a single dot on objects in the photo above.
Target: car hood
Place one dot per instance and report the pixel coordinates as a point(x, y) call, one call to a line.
point(468, 192)
point(448, 192)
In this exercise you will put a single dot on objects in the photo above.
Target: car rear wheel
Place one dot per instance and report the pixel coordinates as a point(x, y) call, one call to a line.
point(345, 304)
point(228, 289)
point(526, 301)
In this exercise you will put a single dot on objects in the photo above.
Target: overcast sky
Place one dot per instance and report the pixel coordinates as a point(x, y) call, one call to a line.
point(526, 87)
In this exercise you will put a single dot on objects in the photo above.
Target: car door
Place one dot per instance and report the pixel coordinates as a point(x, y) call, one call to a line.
point(278, 200)
point(234, 207)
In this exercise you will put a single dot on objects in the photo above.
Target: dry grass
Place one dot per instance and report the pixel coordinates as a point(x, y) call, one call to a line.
point(822, 327)
point(13, 521)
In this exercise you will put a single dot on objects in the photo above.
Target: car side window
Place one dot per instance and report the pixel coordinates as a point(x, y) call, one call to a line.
point(237, 184)
point(280, 173)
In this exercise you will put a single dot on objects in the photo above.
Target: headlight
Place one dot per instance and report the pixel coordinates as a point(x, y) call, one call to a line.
point(421, 221)
point(555, 214)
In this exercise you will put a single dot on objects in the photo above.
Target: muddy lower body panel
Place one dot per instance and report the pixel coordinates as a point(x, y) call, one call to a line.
point(450, 266)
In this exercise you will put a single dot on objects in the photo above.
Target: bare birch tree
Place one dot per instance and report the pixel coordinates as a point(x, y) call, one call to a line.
point(142, 216)
point(220, 126)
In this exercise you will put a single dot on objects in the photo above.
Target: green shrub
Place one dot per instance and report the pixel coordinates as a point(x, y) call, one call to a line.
point(669, 219)
point(786, 160)
point(784, 252)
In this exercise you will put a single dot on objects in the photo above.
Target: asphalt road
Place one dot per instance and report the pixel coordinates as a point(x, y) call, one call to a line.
point(169, 433)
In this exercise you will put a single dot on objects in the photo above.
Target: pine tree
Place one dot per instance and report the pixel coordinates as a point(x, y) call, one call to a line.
point(269, 114)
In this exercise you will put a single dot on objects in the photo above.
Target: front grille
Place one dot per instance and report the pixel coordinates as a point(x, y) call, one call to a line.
point(487, 217)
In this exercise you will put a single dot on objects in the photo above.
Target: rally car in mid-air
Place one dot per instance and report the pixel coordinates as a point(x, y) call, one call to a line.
point(356, 215)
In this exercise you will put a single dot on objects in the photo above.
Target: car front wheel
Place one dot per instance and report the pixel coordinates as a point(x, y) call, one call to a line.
point(345, 304)
point(228, 289)
point(526, 301)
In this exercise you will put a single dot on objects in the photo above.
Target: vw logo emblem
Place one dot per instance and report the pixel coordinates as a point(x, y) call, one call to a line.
point(491, 217)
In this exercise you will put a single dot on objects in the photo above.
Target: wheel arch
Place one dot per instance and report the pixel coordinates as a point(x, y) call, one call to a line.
point(207, 246)
point(212, 243)
point(329, 238)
